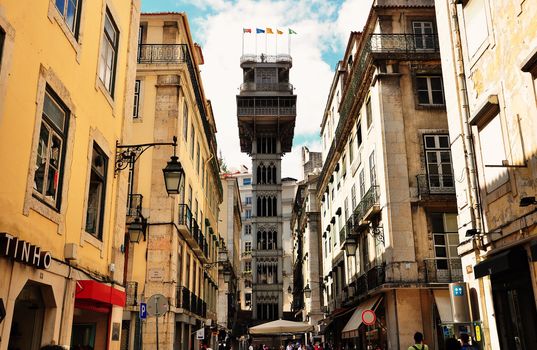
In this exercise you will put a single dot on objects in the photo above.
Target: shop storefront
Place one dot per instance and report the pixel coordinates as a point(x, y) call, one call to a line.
point(33, 288)
point(357, 335)
point(97, 315)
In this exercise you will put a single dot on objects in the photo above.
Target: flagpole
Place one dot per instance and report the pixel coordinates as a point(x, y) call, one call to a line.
point(276, 41)
point(266, 35)
point(256, 42)
point(289, 44)
point(243, 41)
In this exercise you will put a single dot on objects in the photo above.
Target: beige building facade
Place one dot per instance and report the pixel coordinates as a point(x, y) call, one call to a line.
point(176, 256)
point(489, 63)
point(66, 77)
point(388, 210)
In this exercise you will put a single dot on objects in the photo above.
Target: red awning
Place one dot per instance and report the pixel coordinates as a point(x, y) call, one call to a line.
point(93, 292)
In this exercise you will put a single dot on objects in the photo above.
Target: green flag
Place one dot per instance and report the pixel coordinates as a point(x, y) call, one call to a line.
point(291, 31)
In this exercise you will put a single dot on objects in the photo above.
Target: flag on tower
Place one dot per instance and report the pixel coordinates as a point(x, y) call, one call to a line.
point(246, 30)
point(279, 31)
point(291, 31)
point(259, 31)
point(269, 31)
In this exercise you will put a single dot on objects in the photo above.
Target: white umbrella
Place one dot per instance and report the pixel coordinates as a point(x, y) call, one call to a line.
point(281, 327)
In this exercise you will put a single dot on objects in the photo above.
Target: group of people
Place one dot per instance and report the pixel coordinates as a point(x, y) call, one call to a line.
point(451, 343)
point(293, 346)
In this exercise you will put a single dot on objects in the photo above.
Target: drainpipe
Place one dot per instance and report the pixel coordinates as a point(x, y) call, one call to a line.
point(469, 150)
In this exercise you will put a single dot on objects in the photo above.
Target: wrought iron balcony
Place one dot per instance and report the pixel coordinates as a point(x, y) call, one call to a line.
point(368, 202)
point(131, 291)
point(162, 53)
point(268, 111)
point(404, 43)
point(266, 87)
point(185, 216)
point(266, 58)
point(376, 276)
point(182, 298)
point(342, 234)
point(361, 285)
point(443, 270)
point(134, 205)
point(435, 184)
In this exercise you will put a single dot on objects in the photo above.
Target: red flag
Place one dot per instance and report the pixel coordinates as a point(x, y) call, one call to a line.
point(246, 30)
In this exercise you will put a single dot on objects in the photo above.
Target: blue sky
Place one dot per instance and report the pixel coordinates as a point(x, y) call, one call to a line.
point(322, 27)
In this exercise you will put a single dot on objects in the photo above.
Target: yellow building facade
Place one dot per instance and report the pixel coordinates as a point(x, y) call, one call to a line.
point(65, 69)
point(177, 256)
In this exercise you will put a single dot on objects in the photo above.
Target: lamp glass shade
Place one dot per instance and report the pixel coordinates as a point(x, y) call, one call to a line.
point(307, 291)
point(136, 231)
point(227, 276)
point(174, 175)
point(350, 246)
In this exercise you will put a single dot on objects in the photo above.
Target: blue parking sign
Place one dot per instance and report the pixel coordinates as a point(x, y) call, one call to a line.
point(143, 311)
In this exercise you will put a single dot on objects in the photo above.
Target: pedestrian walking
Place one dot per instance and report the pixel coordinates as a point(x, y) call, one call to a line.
point(465, 340)
point(418, 342)
point(453, 344)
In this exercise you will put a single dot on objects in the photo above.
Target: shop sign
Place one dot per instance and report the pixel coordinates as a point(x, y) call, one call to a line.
point(24, 252)
point(368, 317)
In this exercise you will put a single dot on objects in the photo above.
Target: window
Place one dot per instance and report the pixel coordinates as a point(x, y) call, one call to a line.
point(247, 283)
point(247, 229)
point(267, 272)
point(48, 175)
point(2, 40)
point(247, 266)
point(369, 112)
point(198, 158)
point(248, 200)
point(344, 166)
point(247, 247)
point(267, 240)
point(107, 64)
point(361, 179)
point(247, 181)
point(430, 90)
point(136, 106)
point(70, 11)
point(476, 26)
point(185, 121)
point(353, 196)
point(446, 240)
point(97, 192)
point(359, 134)
point(248, 214)
point(493, 153)
point(423, 35)
point(267, 205)
point(438, 157)
point(190, 197)
point(192, 143)
point(372, 169)
point(248, 296)
point(266, 174)
point(351, 150)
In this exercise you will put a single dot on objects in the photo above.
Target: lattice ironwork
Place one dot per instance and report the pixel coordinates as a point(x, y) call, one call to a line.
point(162, 53)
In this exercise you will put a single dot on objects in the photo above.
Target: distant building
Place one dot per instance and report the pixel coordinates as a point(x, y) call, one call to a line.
point(308, 283)
point(489, 64)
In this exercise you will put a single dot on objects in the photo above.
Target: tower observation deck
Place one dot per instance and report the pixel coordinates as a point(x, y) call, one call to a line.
point(266, 112)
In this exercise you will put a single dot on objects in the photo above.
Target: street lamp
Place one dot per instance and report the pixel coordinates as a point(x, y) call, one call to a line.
point(350, 246)
point(136, 230)
point(174, 174)
point(307, 291)
point(227, 275)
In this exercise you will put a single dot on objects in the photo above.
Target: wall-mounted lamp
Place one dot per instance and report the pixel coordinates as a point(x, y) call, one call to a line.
point(350, 246)
point(136, 229)
point(471, 232)
point(307, 291)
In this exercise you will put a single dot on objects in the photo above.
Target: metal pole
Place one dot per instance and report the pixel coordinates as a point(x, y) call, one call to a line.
point(156, 319)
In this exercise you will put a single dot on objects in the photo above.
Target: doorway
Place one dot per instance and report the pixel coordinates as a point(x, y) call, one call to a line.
point(28, 316)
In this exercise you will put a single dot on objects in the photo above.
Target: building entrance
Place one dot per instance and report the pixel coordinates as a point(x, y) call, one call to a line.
point(28, 315)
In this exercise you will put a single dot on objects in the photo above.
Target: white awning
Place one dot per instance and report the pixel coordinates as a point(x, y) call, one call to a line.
point(281, 327)
point(443, 304)
point(351, 328)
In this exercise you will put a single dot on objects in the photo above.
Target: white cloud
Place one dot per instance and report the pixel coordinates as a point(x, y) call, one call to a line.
point(221, 38)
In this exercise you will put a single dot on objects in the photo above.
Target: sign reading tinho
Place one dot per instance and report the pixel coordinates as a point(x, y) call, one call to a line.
point(24, 252)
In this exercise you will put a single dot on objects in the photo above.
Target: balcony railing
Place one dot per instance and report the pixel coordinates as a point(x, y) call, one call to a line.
point(131, 291)
point(266, 58)
point(185, 216)
point(250, 111)
point(342, 235)
point(162, 53)
point(266, 86)
point(443, 270)
point(370, 199)
point(376, 276)
point(134, 205)
point(404, 43)
point(435, 184)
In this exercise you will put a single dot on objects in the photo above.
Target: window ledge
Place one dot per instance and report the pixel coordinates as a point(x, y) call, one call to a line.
point(99, 85)
point(529, 65)
point(485, 109)
point(92, 240)
point(54, 16)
